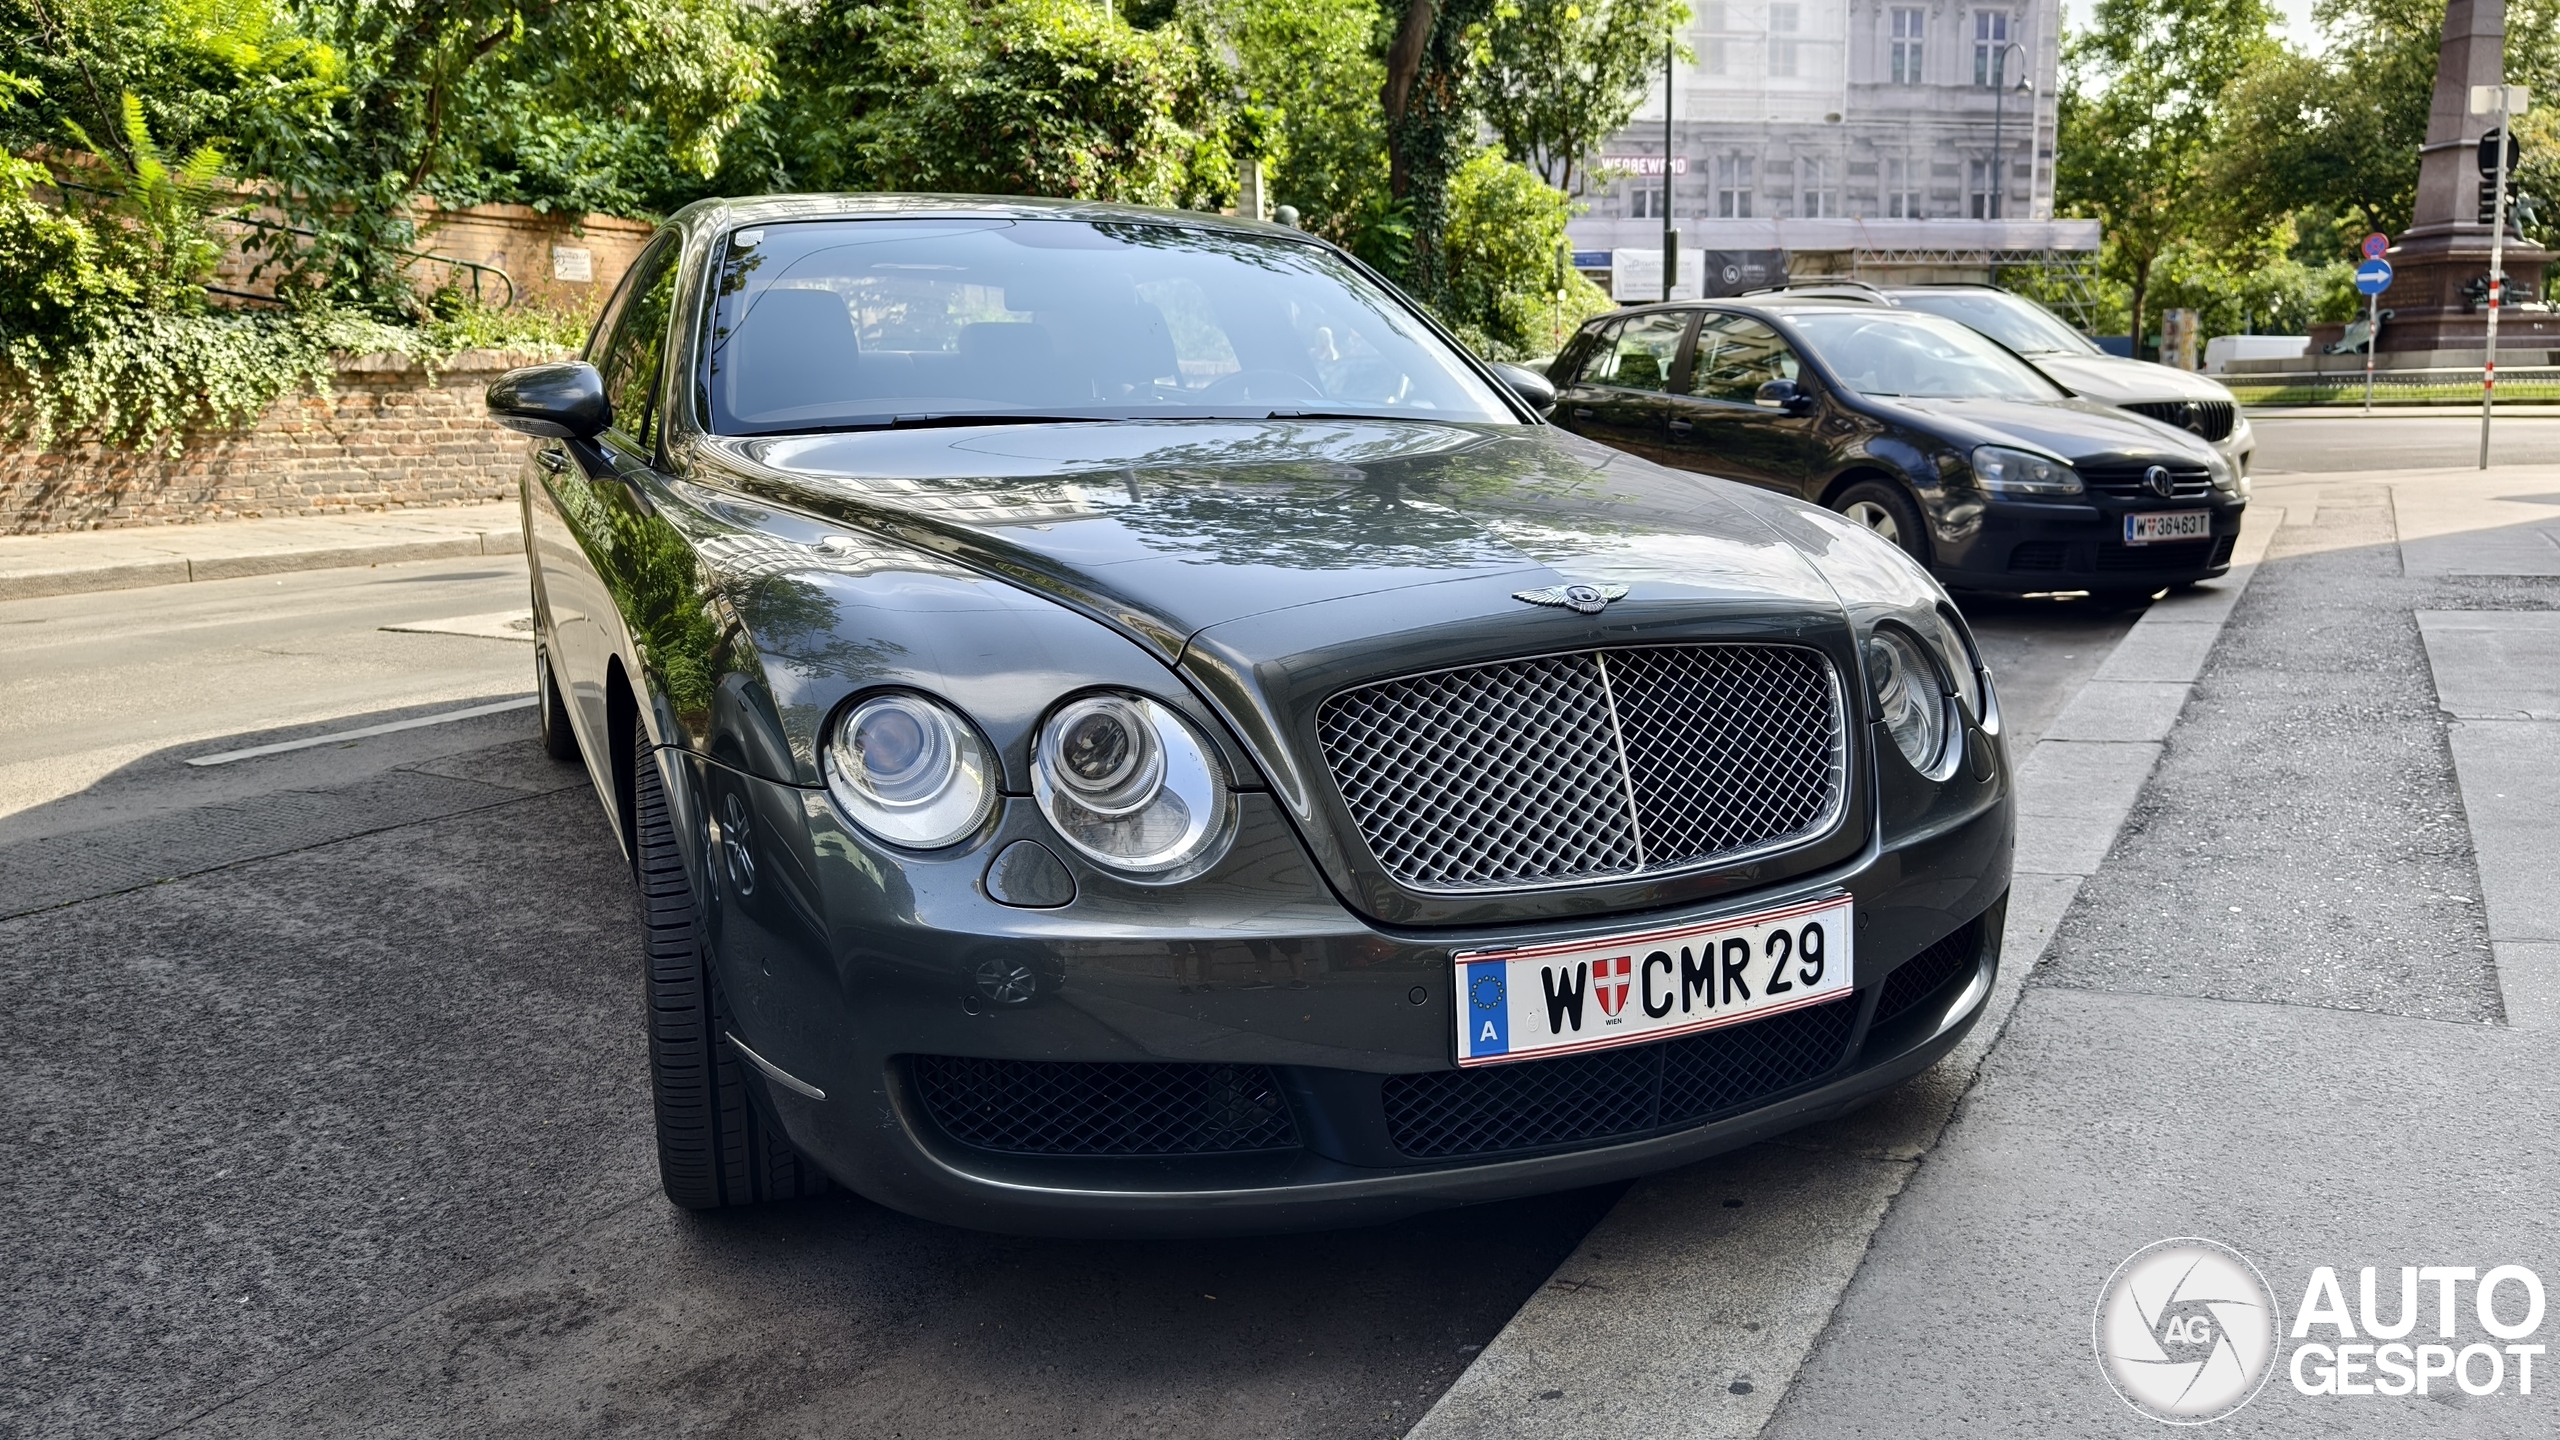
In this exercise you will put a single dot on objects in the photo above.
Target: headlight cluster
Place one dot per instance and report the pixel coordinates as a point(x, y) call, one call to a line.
point(1129, 783)
point(1126, 780)
point(910, 771)
point(1910, 695)
point(2003, 471)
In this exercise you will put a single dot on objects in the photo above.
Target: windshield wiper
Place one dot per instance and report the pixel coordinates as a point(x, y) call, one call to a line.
point(1332, 415)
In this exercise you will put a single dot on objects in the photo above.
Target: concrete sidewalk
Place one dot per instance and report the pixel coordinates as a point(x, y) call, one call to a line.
point(78, 561)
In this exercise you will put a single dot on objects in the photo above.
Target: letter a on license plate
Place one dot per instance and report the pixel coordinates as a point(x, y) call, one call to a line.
point(1537, 1000)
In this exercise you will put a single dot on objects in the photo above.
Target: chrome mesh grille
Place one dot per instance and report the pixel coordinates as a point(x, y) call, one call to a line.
point(1588, 765)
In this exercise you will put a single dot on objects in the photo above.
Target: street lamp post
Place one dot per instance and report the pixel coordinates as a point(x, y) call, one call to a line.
point(2506, 102)
point(2000, 93)
point(1670, 235)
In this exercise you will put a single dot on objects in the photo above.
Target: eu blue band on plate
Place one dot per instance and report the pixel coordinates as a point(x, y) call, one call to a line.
point(1488, 1009)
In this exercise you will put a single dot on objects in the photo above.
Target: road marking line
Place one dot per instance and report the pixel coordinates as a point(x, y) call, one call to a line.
point(521, 702)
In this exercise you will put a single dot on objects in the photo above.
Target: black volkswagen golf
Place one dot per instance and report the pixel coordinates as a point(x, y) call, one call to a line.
point(1924, 431)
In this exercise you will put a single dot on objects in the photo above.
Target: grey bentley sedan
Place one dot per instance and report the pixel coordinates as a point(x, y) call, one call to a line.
point(1122, 725)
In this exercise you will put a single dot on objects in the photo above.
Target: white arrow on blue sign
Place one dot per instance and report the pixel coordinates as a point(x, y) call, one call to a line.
point(2373, 277)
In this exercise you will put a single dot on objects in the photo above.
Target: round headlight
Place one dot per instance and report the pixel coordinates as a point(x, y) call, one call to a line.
point(1910, 697)
point(1106, 755)
point(910, 771)
point(1128, 783)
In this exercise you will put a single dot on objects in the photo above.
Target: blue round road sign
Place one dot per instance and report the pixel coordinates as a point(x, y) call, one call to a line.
point(2373, 277)
point(2375, 244)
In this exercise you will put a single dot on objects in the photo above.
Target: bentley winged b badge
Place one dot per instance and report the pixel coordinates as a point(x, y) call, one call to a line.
point(1580, 599)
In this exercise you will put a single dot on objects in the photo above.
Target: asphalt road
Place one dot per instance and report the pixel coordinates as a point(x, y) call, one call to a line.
point(2328, 441)
point(327, 1111)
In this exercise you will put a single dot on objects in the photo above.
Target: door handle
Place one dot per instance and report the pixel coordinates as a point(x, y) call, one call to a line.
point(552, 460)
point(1681, 427)
point(1581, 412)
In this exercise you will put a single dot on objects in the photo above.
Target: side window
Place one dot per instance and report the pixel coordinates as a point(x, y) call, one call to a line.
point(1736, 356)
point(1581, 362)
point(1639, 356)
point(630, 363)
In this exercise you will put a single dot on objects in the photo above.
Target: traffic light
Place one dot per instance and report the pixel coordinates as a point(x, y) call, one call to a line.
point(2489, 153)
point(2489, 202)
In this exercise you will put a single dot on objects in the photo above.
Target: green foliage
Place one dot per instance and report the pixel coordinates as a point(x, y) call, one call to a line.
point(1556, 77)
point(1512, 291)
point(1431, 125)
point(1010, 97)
point(2141, 117)
point(240, 76)
point(1314, 66)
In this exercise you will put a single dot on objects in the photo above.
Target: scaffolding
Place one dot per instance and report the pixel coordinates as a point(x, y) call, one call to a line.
point(2064, 279)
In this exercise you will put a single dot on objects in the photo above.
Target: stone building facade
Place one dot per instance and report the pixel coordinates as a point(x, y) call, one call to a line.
point(1835, 126)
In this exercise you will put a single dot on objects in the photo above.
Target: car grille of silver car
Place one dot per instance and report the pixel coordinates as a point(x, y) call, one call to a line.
point(2211, 419)
point(1590, 765)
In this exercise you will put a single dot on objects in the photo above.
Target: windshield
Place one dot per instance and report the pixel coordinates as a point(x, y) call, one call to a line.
point(1921, 357)
point(851, 324)
point(2022, 325)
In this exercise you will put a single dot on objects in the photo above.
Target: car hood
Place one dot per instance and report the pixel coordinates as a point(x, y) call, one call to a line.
point(1167, 529)
point(2080, 431)
point(1273, 564)
point(2118, 381)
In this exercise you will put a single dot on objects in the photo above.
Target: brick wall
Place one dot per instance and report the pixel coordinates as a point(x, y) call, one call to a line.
point(384, 439)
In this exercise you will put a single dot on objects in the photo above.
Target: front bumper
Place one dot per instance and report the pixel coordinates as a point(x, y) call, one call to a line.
point(844, 971)
point(2024, 547)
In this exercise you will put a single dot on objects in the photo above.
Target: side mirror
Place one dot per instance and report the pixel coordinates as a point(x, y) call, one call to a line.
point(1530, 386)
point(1783, 395)
point(565, 401)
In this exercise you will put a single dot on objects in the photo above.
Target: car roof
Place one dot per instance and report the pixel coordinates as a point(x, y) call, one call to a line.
point(723, 212)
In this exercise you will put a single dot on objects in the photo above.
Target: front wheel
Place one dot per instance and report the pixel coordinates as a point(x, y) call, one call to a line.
point(716, 1147)
point(1882, 507)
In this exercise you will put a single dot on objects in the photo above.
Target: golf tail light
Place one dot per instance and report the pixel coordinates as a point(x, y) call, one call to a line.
point(910, 771)
point(1910, 697)
point(1129, 783)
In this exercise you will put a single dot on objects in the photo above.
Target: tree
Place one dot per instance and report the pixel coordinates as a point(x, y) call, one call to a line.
point(1008, 97)
point(1431, 120)
point(2140, 119)
point(1556, 78)
point(1511, 293)
point(1316, 63)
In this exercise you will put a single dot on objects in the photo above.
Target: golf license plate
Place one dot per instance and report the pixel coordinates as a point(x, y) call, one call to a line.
point(2168, 525)
point(1538, 1000)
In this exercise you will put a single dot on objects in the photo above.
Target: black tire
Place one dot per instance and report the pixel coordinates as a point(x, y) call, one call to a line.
point(558, 740)
point(716, 1145)
point(1883, 507)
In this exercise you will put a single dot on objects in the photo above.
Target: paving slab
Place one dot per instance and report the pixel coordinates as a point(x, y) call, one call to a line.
point(77, 562)
point(2495, 664)
point(2299, 1135)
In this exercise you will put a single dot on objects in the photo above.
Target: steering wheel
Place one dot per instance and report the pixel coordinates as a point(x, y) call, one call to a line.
point(1259, 386)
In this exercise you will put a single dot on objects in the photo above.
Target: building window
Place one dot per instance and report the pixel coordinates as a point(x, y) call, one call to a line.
point(1711, 51)
point(1978, 190)
point(1907, 27)
point(1901, 190)
point(1646, 203)
point(1733, 187)
point(1784, 21)
point(1817, 193)
point(1990, 47)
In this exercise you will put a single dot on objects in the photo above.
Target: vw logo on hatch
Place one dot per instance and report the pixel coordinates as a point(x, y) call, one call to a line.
point(2160, 482)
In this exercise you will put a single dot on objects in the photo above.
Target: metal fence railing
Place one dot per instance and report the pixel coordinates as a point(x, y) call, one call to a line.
point(2442, 385)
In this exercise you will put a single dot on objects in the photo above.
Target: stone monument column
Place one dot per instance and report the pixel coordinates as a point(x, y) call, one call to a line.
point(2447, 247)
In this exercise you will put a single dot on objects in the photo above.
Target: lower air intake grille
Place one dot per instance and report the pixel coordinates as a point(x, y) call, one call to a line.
point(2159, 555)
point(1055, 1107)
point(1534, 1103)
point(1928, 972)
point(2037, 555)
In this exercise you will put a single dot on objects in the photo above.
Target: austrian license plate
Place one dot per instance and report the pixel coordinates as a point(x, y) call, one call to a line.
point(1538, 1000)
point(2168, 525)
